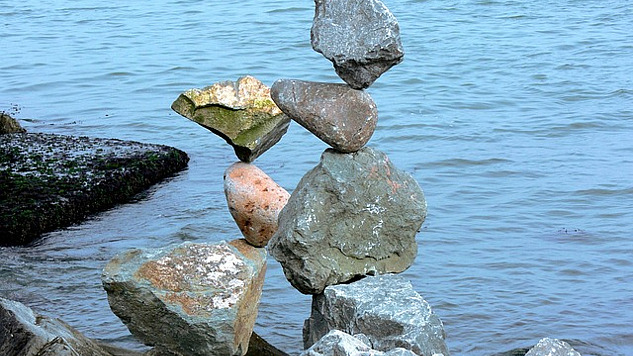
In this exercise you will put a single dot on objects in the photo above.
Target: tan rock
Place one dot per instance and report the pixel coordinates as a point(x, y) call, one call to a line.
point(254, 200)
point(194, 299)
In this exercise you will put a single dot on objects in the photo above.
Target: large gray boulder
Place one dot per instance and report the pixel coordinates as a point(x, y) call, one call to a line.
point(340, 116)
point(360, 37)
point(338, 343)
point(352, 215)
point(240, 112)
point(552, 347)
point(191, 300)
point(385, 309)
point(25, 333)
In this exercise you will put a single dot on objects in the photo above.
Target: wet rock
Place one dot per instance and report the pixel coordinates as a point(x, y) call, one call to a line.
point(254, 200)
point(193, 300)
point(552, 347)
point(338, 343)
point(9, 125)
point(385, 309)
point(360, 37)
point(240, 112)
point(352, 215)
point(52, 181)
point(25, 333)
point(342, 117)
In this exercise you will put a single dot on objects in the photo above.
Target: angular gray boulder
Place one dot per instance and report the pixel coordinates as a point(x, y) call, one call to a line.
point(352, 215)
point(385, 309)
point(360, 37)
point(552, 347)
point(25, 333)
point(240, 112)
point(340, 116)
point(338, 343)
point(191, 300)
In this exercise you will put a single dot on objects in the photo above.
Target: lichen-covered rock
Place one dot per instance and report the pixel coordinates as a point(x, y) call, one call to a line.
point(51, 181)
point(552, 347)
point(352, 215)
point(240, 112)
point(254, 200)
point(338, 343)
point(191, 300)
point(25, 333)
point(360, 37)
point(340, 116)
point(9, 125)
point(385, 309)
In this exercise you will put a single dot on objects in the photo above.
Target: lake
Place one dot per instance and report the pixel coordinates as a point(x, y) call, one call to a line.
point(515, 117)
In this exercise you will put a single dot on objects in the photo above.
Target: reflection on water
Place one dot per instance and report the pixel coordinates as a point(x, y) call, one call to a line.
point(514, 117)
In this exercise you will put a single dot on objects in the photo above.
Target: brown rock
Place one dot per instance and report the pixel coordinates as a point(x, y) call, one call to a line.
point(342, 117)
point(254, 201)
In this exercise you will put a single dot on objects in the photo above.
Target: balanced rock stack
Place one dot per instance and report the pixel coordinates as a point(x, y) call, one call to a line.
point(355, 214)
point(202, 299)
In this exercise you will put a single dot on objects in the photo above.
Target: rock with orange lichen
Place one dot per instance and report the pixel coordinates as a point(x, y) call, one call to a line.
point(254, 200)
point(352, 215)
point(193, 299)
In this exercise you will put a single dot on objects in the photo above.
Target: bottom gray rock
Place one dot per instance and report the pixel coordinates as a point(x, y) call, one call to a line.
point(338, 343)
point(385, 309)
point(552, 347)
point(24, 333)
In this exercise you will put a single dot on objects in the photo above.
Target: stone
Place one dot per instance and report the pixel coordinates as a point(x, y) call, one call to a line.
point(340, 116)
point(9, 125)
point(26, 333)
point(240, 112)
point(191, 300)
point(50, 181)
point(338, 343)
point(385, 309)
point(360, 37)
point(254, 200)
point(352, 215)
point(552, 347)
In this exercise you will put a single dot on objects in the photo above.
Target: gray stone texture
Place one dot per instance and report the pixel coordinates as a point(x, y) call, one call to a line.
point(191, 300)
point(342, 117)
point(25, 333)
point(385, 309)
point(360, 37)
point(552, 347)
point(352, 215)
point(240, 112)
point(338, 343)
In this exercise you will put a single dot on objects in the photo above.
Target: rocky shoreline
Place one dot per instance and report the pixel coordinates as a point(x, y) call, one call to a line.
point(50, 181)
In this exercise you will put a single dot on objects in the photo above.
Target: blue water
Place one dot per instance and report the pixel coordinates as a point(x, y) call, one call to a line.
point(516, 118)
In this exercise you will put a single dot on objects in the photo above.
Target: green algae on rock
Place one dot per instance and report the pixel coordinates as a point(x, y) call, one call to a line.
point(51, 181)
point(9, 125)
point(241, 112)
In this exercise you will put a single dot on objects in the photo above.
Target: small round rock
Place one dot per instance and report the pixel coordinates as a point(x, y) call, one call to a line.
point(254, 200)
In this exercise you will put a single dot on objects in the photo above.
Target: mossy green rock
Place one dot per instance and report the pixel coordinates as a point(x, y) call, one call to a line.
point(9, 125)
point(51, 181)
point(240, 112)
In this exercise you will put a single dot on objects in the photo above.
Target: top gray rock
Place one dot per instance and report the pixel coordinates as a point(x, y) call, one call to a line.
point(360, 37)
